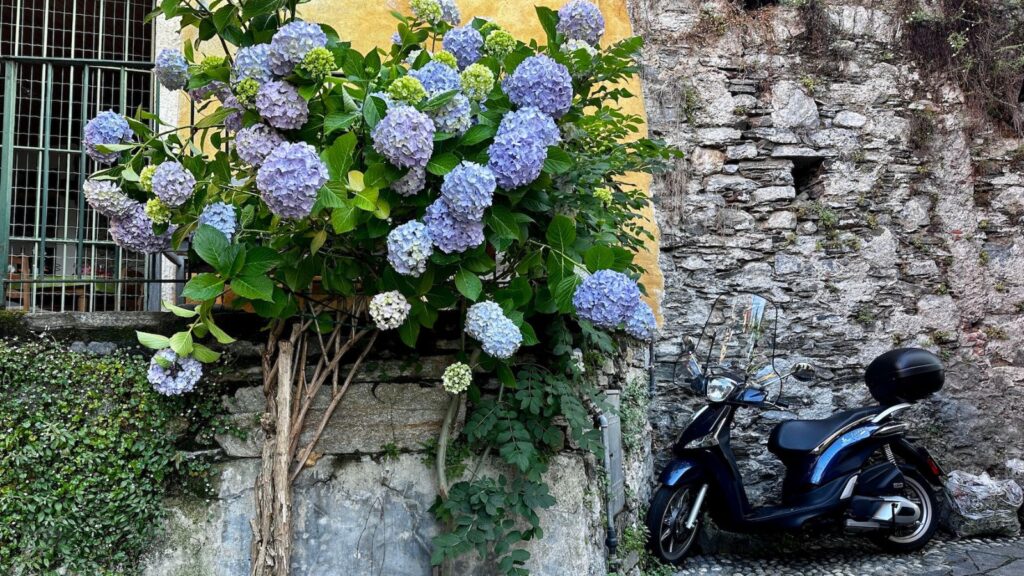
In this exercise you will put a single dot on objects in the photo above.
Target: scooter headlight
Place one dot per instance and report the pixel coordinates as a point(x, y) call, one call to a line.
point(720, 388)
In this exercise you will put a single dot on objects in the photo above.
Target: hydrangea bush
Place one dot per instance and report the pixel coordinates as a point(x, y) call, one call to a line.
point(485, 183)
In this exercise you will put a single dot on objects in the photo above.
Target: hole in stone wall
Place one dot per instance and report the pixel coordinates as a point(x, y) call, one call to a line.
point(808, 176)
point(756, 4)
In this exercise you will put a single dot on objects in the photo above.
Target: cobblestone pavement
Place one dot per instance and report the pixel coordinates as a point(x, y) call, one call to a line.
point(943, 557)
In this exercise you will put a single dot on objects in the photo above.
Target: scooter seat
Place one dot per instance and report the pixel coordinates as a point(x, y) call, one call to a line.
point(795, 438)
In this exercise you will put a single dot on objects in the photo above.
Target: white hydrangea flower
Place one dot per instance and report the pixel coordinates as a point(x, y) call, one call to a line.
point(457, 378)
point(389, 310)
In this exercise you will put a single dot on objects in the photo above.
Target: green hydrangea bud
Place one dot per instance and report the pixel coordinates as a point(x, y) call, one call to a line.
point(477, 82)
point(211, 63)
point(447, 58)
point(426, 10)
point(146, 177)
point(604, 195)
point(407, 89)
point(157, 211)
point(499, 44)
point(318, 63)
point(457, 378)
point(246, 91)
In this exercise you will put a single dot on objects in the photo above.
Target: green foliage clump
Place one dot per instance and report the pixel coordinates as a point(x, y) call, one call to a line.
point(87, 452)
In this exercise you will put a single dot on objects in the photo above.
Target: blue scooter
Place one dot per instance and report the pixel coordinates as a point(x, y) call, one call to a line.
point(855, 469)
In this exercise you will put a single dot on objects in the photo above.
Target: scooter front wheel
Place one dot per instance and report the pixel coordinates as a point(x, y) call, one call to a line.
point(669, 538)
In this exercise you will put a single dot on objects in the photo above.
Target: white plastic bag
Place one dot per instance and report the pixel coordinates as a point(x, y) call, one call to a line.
point(982, 505)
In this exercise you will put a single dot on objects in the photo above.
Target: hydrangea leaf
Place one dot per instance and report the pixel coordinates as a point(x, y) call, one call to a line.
point(469, 284)
point(253, 287)
point(205, 286)
point(153, 341)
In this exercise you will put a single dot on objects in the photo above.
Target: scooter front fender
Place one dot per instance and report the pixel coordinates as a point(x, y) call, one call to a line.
point(680, 471)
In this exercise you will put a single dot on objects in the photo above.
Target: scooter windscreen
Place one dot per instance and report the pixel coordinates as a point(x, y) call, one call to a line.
point(738, 340)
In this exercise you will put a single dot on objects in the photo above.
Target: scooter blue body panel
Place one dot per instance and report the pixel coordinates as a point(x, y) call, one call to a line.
point(681, 470)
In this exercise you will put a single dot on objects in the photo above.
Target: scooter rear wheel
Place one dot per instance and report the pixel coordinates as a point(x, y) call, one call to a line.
point(913, 538)
point(668, 537)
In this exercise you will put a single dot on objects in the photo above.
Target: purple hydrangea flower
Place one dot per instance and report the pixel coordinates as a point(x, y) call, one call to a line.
point(454, 117)
point(450, 235)
point(173, 184)
point(396, 38)
point(516, 160)
point(465, 43)
point(233, 122)
point(437, 78)
point(487, 323)
point(468, 190)
point(171, 69)
point(106, 198)
point(214, 88)
point(450, 12)
point(542, 83)
point(581, 20)
point(641, 324)
point(291, 43)
point(179, 378)
point(255, 143)
point(106, 128)
point(412, 183)
point(529, 123)
point(252, 62)
point(606, 298)
point(405, 137)
point(133, 231)
point(222, 217)
point(409, 248)
point(281, 105)
point(290, 178)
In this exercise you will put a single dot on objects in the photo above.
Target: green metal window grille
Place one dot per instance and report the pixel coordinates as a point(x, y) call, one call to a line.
point(64, 61)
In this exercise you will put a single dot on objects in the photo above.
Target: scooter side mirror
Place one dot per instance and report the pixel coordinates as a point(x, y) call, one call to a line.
point(689, 344)
point(802, 372)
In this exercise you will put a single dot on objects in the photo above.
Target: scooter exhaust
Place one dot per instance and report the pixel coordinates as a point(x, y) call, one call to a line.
point(891, 512)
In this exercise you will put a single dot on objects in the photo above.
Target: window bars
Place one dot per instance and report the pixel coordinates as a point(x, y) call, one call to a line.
point(63, 62)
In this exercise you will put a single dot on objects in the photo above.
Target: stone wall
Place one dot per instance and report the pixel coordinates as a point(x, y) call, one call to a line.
point(866, 199)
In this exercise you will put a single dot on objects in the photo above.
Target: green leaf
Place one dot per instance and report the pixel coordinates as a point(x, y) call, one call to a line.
point(205, 286)
point(478, 134)
point(563, 292)
point(344, 219)
point(318, 241)
point(549, 21)
point(216, 331)
point(179, 311)
point(260, 260)
point(181, 343)
point(469, 284)
point(153, 341)
point(440, 100)
point(372, 108)
point(222, 17)
point(339, 156)
point(442, 164)
point(561, 233)
point(253, 287)
point(251, 8)
point(204, 354)
point(599, 257)
point(558, 161)
point(409, 333)
point(212, 246)
point(215, 118)
point(339, 121)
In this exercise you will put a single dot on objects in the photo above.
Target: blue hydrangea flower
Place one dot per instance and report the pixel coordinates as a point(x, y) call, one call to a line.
point(291, 43)
point(179, 377)
point(222, 217)
point(171, 69)
point(409, 248)
point(499, 336)
point(106, 198)
point(234, 121)
point(255, 143)
point(581, 20)
point(405, 137)
point(106, 128)
point(542, 83)
point(412, 183)
point(280, 104)
point(516, 160)
point(641, 324)
point(133, 231)
point(454, 117)
point(214, 88)
point(606, 298)
point(531, 124)
point(252, 62)
point(465, 43)
point(450, 12)
point(290, 178)
point(173, 183)
point(468, 190)
point(437, 78)
point(450, 235)
point(396, 39)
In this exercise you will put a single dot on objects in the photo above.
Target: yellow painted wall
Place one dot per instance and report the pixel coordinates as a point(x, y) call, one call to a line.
point(369, 23)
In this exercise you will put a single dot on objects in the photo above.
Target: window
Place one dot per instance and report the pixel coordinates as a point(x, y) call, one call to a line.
point(61, 63)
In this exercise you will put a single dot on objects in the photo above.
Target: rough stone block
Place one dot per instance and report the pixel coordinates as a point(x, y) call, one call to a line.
point(728, 183)
point(849, 119)
point(792, 107)
point(781, 221)
point(742, 151)
point(773, 194)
